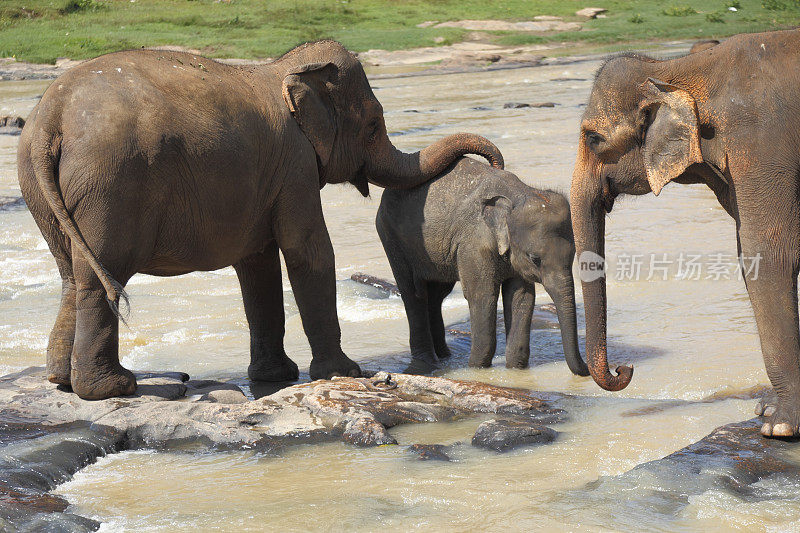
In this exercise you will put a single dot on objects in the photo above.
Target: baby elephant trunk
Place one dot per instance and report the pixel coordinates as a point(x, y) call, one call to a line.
point(561, 289)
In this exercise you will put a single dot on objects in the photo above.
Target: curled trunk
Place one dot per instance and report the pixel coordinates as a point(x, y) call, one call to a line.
point(588, 200)
point(562, 291)
point(394, 169)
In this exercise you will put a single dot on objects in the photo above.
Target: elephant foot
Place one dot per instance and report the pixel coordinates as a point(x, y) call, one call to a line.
point(784, 422)
point(273, 369)
point(100, 385)
point(58, 368)
point(767, 404)
point(443, 352)
point(479, 361)
point(328, 367)
point(422, 364)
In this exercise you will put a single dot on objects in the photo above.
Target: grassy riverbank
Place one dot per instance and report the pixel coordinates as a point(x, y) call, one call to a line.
point(42, 30)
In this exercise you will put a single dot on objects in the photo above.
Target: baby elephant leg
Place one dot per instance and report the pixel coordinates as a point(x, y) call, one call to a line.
point(481, 292)
point(437, 292)
point(519, 298)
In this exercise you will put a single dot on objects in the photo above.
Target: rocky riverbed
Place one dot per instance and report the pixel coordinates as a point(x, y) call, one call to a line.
point(49, 433)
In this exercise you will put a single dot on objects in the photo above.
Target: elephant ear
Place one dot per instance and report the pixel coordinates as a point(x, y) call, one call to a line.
point(496, 211)
point(306, 91)
point(672, 141)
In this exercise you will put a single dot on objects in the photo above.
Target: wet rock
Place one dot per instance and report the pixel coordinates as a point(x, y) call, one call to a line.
point(356, 410)
point(11, 125)
point(226, 396)
point(429, 452)
point(733, 460)
point(518, 105)
point(505, 435)
point(376, 282)
point(11, 203)
point(590, 12)
point(47, 433)
point(34, 459)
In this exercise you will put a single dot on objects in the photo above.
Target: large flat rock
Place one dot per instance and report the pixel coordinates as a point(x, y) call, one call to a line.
point(48, 433)
point(167, 410)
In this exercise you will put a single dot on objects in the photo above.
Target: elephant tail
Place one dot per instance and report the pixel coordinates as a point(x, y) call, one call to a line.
point(45, 155)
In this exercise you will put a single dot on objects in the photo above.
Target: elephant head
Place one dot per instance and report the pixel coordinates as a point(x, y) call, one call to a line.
point(536, 235)
point(637, 134)
point(327, 92)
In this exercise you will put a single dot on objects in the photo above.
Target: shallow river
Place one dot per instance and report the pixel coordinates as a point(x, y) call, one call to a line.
point(689, 339)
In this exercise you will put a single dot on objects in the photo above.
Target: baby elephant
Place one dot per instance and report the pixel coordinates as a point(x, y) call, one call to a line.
point(486, 228)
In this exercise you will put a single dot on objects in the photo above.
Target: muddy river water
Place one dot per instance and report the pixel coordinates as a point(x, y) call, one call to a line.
point(692, 340)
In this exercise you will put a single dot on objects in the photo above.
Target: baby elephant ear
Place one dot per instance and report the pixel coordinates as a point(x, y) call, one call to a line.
point(672, 142)
point(307, 95)
point(496, 211)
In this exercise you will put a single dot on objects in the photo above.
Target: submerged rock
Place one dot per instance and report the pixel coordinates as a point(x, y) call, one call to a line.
point(37, 457)
point(519, 105)
point(505, 435)
point(734, 461)
point(429, 452)
point(9, 203)
point(378, 283)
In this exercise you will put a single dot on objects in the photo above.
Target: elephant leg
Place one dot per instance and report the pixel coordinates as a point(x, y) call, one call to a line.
point(773, 295)
point(481, 292)
point(262, 292)
point(62, 336)
point(519, 297)
point(95, 372)
point(308, 252)
point(774, 301)
point(437, 292)
point(420, 340)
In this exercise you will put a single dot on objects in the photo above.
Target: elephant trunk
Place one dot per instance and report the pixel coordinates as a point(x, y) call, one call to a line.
point(589, 198)
point(394, 169)
point(562, 291)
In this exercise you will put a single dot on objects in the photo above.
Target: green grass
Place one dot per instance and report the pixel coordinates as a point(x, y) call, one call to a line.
point(42, 30)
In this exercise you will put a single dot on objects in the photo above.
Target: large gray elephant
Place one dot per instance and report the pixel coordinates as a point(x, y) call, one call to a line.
point(726, 117)
point(165, 163)
point(486, 228)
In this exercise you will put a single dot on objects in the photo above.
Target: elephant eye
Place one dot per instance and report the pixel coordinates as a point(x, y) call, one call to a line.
point(647, 118)
point(593, 139)
point(535, 259)
point(372, 129)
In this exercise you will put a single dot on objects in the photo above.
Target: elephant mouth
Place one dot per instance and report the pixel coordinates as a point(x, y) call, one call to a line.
point(609, 195)
point(360, 181)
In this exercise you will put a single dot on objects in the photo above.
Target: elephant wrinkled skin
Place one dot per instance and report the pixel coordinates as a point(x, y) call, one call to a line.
point(166, 163)
point(726, 117)
point(486, 228)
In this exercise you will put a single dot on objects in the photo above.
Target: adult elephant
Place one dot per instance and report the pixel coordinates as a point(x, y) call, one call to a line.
point(727, 117)
point(165, 163)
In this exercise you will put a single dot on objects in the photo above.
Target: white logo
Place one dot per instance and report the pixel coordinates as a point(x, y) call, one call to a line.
point(592, 266)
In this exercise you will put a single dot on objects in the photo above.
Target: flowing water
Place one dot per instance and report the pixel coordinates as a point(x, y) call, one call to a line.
point(690, 339)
